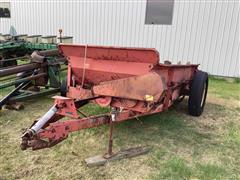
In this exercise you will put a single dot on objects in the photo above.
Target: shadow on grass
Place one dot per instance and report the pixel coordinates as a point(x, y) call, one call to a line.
point(175, 135)
point(170, 125)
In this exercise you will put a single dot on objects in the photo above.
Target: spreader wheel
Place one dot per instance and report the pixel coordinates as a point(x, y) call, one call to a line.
point(63, 87)
point(198, 93)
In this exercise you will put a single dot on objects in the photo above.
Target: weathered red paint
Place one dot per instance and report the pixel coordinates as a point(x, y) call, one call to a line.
point(130, 80)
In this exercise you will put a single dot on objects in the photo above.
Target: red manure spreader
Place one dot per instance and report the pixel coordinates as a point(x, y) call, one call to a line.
point(130, 81)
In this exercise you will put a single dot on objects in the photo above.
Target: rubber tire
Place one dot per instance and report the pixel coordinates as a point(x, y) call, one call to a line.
point(63, 88)
point(197, 97)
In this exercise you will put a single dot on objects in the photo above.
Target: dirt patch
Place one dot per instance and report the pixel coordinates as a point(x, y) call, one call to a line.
point(230, 103)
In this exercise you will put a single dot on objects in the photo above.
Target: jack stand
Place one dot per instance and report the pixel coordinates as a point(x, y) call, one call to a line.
point(100, 160)
point(110, 142)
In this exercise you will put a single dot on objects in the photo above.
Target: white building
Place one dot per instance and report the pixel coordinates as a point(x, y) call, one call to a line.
point(199, 31)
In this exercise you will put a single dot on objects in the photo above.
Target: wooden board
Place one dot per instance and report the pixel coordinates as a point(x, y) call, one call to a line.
point(100, 160)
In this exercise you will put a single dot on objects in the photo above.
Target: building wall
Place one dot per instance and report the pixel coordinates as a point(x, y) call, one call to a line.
point(202, 31)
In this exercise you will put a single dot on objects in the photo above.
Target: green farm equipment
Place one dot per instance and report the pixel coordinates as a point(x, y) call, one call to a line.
point(28, 69)
point(39, 77)
point(14, 49)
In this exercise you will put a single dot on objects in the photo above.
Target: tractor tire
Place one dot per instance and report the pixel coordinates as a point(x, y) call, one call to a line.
point(63, 88)
point(198, 93)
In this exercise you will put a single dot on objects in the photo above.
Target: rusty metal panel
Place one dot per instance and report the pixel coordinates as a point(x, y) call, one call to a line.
point(141, 55)
point(134, 87)
point(95, 64)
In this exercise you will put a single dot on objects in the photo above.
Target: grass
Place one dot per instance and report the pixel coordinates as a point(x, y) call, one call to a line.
point(225, 90)
point(182, 147)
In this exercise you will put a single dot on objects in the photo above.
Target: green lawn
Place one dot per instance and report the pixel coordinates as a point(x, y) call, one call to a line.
point(221, 89)
point(182, 146)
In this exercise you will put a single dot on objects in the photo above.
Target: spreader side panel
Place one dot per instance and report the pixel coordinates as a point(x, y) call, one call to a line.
point(148, 87)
